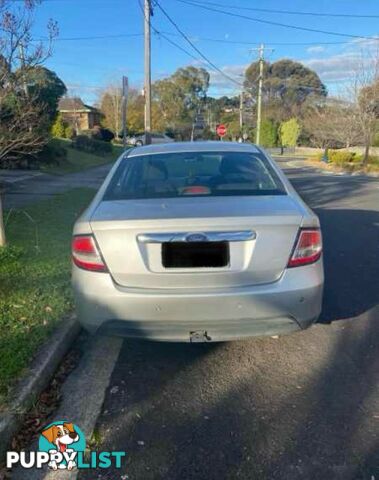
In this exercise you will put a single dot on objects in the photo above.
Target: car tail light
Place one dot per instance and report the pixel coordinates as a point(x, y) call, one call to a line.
point(86, 255)
point(308, 248)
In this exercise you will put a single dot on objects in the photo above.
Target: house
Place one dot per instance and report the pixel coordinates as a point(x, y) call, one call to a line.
point(77, 114)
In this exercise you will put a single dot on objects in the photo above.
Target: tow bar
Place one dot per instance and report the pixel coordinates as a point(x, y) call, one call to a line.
point(199, 336)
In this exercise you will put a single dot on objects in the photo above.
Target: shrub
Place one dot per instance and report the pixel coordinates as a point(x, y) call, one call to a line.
point(52, 153)
point(88, 144)
point(103, 134)
point(69, 132)
point(87, 133)
point(341, 157)
point(269, 134)
point(289, 132)
point(99, 133)
point(58, 128)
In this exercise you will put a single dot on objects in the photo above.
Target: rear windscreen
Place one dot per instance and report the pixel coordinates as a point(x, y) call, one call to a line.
point(193, 174)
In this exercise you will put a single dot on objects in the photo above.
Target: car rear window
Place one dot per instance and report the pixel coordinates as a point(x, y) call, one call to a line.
point(194, 174)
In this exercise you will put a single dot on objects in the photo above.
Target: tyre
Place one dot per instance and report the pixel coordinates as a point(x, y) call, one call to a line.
point(139, 143)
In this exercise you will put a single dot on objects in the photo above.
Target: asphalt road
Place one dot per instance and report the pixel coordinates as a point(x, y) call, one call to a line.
point(304, 406)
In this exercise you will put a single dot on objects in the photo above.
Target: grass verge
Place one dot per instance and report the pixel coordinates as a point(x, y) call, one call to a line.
point(35, 288)
point(76, 160)
point(348, 167)
point(345, 161)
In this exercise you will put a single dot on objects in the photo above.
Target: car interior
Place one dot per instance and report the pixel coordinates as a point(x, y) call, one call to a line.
point(191, 174)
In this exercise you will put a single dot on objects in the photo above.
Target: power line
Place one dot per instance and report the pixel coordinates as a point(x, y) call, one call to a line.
point(96, 37)
point(163, 35)
point(189, 41)
point(91, 37)
point(269, 22)
point(289, 12)
point(273, 44)
point(206, 39)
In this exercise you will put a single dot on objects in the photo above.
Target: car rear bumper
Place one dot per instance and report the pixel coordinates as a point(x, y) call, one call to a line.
point(290, 304)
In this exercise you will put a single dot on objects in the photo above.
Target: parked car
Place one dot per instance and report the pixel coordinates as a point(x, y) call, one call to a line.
point(140, 140)
point(197, 241)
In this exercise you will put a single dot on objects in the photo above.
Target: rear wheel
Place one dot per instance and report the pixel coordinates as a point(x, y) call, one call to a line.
point(139, 143)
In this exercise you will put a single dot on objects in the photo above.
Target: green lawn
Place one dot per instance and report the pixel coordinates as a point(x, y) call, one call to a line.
point(77, 160)
point(35, 279)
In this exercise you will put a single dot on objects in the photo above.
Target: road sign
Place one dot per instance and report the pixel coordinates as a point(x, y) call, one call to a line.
point(221, 130)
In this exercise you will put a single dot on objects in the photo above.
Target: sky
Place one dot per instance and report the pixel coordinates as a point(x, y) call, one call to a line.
point(88, 64)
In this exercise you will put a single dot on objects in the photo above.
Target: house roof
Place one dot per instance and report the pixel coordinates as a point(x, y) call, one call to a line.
point(74, 104)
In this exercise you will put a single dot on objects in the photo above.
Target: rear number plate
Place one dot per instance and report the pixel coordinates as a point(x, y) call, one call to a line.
point(195, 254)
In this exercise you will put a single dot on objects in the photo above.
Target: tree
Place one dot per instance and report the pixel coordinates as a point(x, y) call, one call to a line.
point(45, 86)
point(24, 120)
point(176, 99)
point(194, 83)
point(285, 80)
point(366, 100)
point(24, 129)
point(286, 86)
point(331, 124)
point(352, 120)
point(59, 127)
point(289, 132)
point(135, 115)
point(269, 133)
point(231, 121)
point(26, 97)
point(111, 107)
point(170, 103)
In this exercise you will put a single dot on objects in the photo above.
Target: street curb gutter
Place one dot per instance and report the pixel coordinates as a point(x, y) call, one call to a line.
point(36, 379)
point(83, 394)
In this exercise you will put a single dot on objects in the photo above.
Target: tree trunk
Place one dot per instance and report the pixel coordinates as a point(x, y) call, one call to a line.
point(2, 228)
point(325, 157)
point(367, 153)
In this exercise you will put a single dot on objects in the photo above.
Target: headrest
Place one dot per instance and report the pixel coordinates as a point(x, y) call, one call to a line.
point(232, 165)
point(157, 170)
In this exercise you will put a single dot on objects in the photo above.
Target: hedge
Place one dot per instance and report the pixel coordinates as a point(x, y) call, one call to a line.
point(87, 144)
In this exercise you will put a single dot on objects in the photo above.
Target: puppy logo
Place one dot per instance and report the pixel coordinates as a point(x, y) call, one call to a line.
point(62, 440)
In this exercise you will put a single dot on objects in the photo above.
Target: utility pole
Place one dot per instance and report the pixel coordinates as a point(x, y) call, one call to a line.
point(241, 110)
point(147, 14)
point(125, 88)
point(259, 102)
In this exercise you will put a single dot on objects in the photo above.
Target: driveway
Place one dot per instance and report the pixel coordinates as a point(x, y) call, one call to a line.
point(25, 187)
point(304, 406)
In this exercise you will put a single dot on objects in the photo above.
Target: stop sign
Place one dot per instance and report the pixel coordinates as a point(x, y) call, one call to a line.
point(221, 130)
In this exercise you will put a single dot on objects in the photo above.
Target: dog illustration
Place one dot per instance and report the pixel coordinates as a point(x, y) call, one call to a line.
point(61, 436)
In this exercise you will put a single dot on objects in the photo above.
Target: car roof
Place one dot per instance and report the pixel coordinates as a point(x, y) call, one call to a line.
point(177, 147)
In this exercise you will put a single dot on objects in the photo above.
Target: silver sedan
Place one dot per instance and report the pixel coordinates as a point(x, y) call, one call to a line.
point(203, 241)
